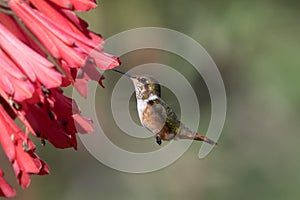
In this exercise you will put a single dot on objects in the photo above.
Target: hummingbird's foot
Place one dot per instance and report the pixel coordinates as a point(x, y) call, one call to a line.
point(158, 140)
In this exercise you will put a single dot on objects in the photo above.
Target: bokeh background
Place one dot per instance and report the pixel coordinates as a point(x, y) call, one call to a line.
point(255, 45)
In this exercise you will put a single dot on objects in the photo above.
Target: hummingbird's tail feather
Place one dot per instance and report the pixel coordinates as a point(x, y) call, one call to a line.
point(200, 137)
point(186, 133)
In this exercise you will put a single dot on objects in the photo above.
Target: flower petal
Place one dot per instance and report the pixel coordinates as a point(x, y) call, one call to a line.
point(5, 189)
point(34, 65)
point(77, 5)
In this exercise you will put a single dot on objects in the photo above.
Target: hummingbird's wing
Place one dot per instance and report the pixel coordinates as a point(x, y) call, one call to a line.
point(172, 121)
point(154, 116)
point(159, 118)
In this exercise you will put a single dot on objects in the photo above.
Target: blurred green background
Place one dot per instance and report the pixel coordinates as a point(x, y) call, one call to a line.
point(255, 45)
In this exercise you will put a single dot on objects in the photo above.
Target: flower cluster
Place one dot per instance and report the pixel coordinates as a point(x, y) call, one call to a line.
point(44, 46)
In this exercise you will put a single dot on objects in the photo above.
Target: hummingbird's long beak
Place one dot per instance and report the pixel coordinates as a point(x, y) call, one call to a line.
point(134, 80)
point(123, 73)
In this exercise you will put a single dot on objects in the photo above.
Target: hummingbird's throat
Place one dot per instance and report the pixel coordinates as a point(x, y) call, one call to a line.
point(145, 91)
point(145, 95)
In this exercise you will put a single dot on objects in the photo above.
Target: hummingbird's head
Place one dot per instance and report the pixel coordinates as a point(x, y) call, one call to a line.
point(145, 87)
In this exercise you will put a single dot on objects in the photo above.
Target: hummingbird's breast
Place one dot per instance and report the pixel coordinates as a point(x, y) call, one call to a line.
point(152, 115)
point(141, 105)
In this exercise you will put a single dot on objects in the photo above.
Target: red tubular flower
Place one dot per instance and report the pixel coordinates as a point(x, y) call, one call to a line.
point(5, 189)
point(19, 150)
point(64, 35)
point(30, 86)
point(34, 66)
point(10, 23)
point(13, 81)
point(56, 126)
point(81, 5)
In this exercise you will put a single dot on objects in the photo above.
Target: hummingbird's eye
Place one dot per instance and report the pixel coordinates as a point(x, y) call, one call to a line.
point(143, 80)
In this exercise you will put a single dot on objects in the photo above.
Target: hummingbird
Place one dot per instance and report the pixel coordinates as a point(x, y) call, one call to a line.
point(156, 115)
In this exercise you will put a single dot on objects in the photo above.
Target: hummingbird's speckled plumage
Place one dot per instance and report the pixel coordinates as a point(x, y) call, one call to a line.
point(157, 116)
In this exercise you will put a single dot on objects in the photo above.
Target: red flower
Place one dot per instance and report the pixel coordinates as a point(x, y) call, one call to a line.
point(5, 189)
point(23, 58)
point(78, 5)
point(19, 150)
point(30, 86)
point(66, 38)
